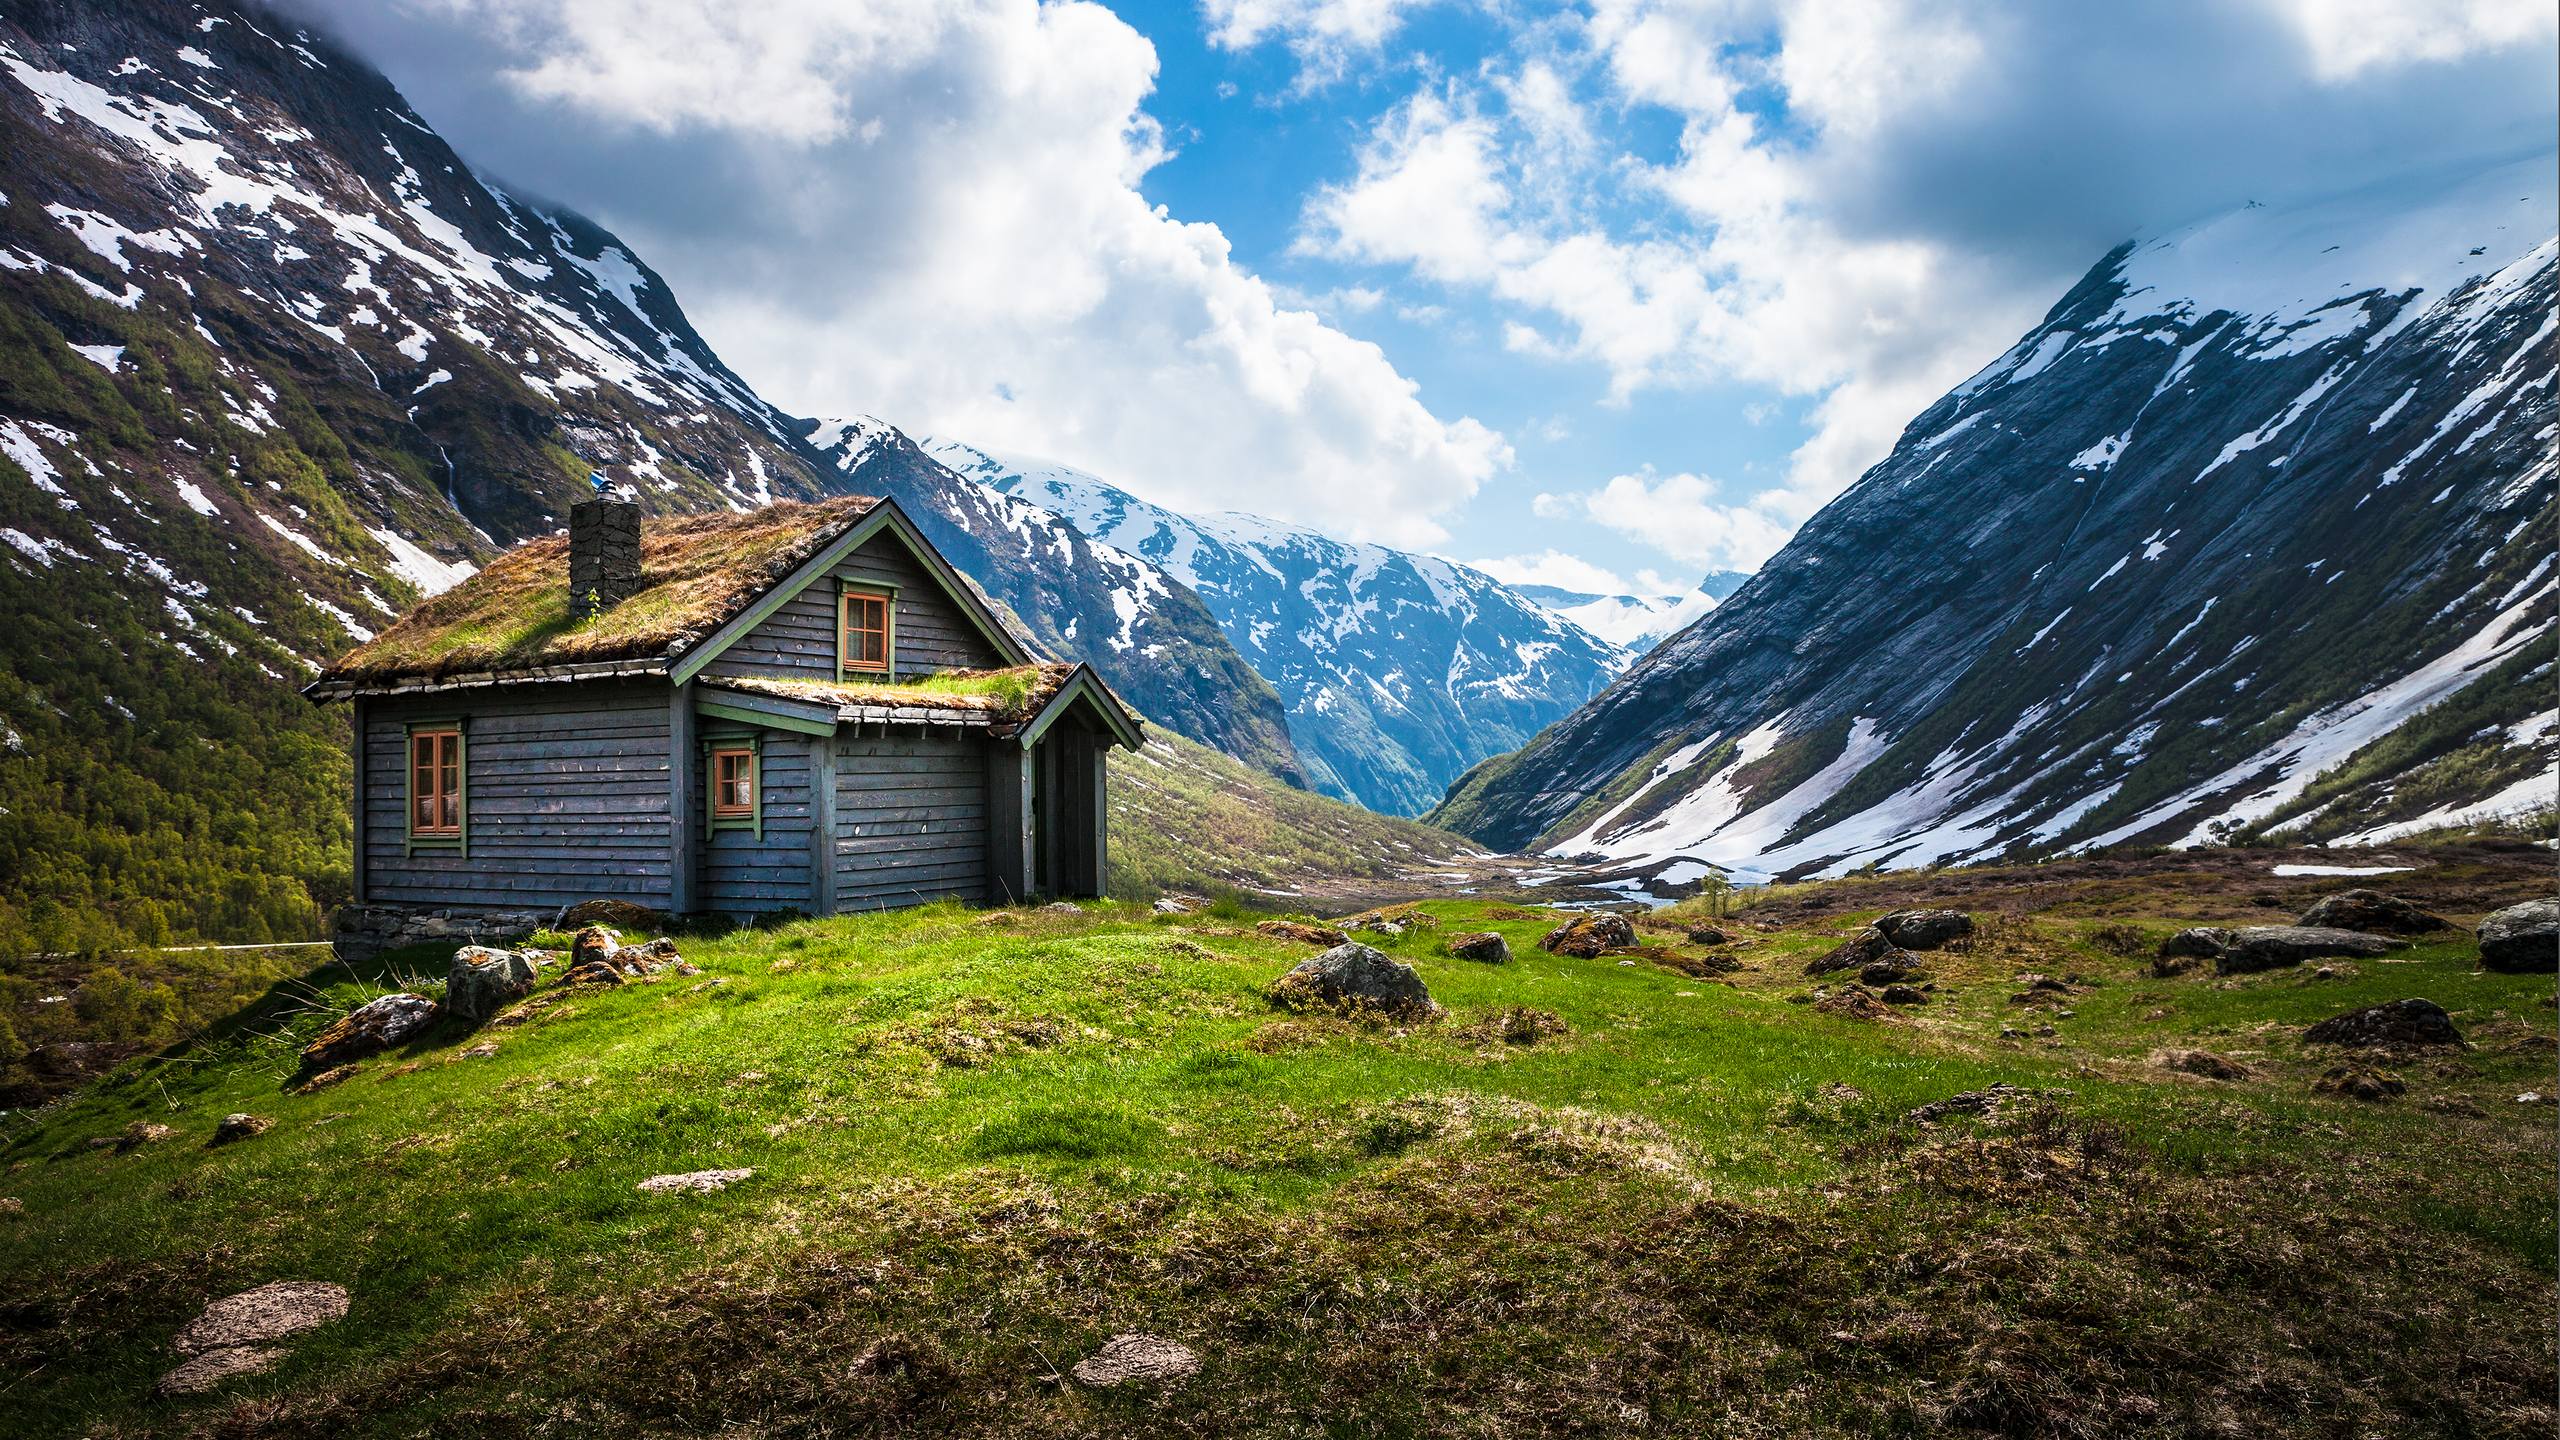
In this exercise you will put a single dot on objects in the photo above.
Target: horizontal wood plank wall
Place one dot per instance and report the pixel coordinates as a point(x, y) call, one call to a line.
point(565, 791)
point(911, 818)
point(743, 874)
point(798, 641)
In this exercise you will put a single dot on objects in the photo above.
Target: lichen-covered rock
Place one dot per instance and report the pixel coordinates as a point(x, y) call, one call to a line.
point(1589, 936)
point(1925, 929)
point(481, 981)
point(2372, 912)
point(1898, 968)
point(240, 1126)
point(1853, 1002)
point(2273, 947)
point(2398, 1023)
point(1303, 934)
point(1868, 947)
point(593, 942)
point(1351, 977)
point(695, 1182)
point(2522, 939)
point(255, 1317)
point(1482, 946)
point(378, 1024)
point(646, 958)
point(2196, 942)
point(2360, 1082)
point(1142, 1359)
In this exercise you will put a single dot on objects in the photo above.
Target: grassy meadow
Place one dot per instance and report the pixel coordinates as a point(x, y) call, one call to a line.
point(1600, 1197)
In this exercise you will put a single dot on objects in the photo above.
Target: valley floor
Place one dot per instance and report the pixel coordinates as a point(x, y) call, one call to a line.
point(1614, 1196)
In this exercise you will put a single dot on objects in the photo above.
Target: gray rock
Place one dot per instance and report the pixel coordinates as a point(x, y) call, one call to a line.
point(1589, 936)
point(2372, 912)
point(2398, 1023)
point(1352, 976)
point(240, 1126)
point(697, 1182)
point(1869, 947)
point(2273, 947)
point(2198, 942)
point(2522, 939)
point(1925, 929)
point(1170, 906)
point(595, 942)
point(377, 1024)
point(270, 1312)
point(1905, 995)
point(1483, 946)
point(1147, 1359)
point(1898, 968)
point(361, 932)
point(481, 981)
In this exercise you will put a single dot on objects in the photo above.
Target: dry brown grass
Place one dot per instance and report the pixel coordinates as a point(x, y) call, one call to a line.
point(696, 571)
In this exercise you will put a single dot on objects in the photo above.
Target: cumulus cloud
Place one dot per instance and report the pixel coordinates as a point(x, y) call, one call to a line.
point(1556, 568)
point(1868, 199)
point(1326, 36)
point(1685, 517)
point(931, 212)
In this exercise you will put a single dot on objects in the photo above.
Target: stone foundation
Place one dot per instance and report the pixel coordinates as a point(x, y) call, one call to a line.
point(364, 931)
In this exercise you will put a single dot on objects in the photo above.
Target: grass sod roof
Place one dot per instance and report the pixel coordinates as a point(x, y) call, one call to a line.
point(1006, 697)
point(696, 571)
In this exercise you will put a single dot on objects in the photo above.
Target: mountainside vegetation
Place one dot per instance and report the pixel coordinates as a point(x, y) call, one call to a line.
point(2188, 562)
point(1616, 1196)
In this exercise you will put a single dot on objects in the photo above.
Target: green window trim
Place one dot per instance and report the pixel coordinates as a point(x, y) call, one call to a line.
point(848, 591)
point(458, 843)
point(712, 819)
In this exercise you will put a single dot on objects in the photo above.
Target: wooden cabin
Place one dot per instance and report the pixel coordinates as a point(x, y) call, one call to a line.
point(798, 708)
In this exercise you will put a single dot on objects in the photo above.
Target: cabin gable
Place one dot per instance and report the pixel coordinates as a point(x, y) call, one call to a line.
point(929, 629)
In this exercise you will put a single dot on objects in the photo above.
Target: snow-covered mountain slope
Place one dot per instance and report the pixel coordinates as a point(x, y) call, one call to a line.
point(1399, 670)
point(2254, 534)
point(1633, 623)
point(274, 363)
point(1141, 627)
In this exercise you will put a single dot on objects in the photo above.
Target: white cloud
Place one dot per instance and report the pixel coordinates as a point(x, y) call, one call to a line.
point(1324, 35)
point(1564, 572)
point(1681, 516)
point(1870, 198)
point(931, 212)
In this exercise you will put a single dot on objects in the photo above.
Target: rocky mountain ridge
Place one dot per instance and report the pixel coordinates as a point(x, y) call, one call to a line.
point(2252, 535)
point(1399, 670)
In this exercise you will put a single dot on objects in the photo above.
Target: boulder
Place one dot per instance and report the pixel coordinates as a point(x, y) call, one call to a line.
point(236, 1127)
point(2401, 1022)
point(1355, 977)
point(1925, 929)
point(481, 981)
point(1483, 946)
point(1587, 937)
point(593, 942)
point(270, 1312)
point(1905, 995)
point(694, 1182)
point(1868, 947)
point(377, 1024)
point(1708, 935)
point(2372, 912)
point(135, 1136)
point(1852, 1002)
point(647, 958)
point(2273, 947)
point(1303, 934)
point(2196, 942)
point(1898, 968)
point(2360, 1082)
point(1142, 1359)
point(2522, 939)
point(619, 914)
point(1168, 905)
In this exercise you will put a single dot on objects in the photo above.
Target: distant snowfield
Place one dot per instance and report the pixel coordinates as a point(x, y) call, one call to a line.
point(2291, 871)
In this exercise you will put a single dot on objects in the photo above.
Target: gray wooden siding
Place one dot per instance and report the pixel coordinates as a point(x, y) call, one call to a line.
point(911, 818)
point(565, 797)
point(744, 874)
point(798, 641)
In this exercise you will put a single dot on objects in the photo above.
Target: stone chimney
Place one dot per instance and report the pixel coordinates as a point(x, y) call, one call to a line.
point(604, 554)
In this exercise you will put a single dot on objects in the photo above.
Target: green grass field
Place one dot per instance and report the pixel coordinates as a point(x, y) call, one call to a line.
point(985, 1141)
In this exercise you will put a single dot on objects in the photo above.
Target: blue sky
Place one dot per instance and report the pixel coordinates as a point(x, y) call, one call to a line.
point(1608, 294)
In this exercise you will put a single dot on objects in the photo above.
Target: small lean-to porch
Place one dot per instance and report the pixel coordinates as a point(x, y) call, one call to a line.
point(986, 787)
